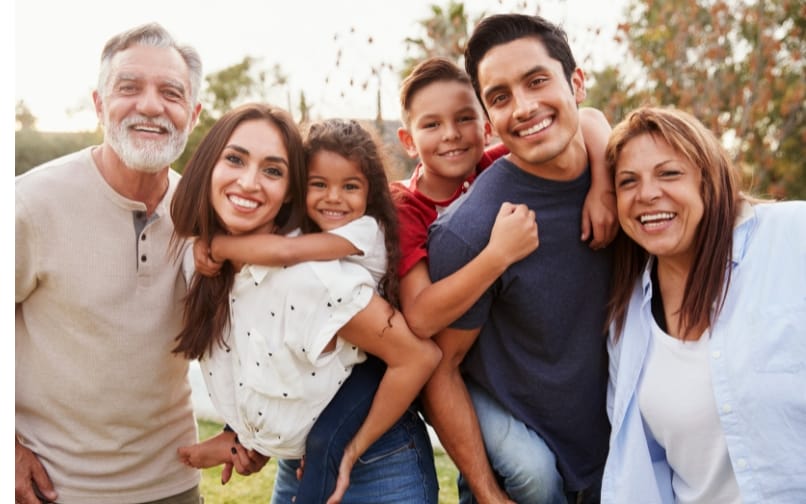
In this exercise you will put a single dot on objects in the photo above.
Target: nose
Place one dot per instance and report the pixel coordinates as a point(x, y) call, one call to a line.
point(248, 180)
point(333, 193)
point(150, 102)
point(525, 105)
point(648, 190)
point(450, 132)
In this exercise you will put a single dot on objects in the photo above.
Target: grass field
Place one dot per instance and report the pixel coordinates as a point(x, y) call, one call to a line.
point(256, 489)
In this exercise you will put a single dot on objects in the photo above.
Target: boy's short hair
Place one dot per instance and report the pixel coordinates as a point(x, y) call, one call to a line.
point(501, 29)
point(428, 71)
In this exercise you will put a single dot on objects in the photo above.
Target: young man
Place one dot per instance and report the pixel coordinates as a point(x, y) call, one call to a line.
point(530, 391)
point(101, 402)
point(445, 128)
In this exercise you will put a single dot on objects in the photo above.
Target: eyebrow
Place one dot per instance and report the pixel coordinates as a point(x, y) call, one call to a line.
point(654, 167)
point(137, 77)
point(275, 159)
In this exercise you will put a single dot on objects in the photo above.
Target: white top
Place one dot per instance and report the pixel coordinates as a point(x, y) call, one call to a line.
point(274, 380)
point(677, 404)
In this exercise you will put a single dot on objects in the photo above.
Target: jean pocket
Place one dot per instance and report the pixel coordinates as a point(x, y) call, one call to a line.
point(395, 440)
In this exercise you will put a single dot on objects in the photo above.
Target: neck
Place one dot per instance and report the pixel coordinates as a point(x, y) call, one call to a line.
point(566, 165)
point(439, 188)
point(148, 188)
point(672, 278)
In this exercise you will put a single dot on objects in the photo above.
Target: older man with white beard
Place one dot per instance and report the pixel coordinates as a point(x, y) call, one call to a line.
point(101, 402)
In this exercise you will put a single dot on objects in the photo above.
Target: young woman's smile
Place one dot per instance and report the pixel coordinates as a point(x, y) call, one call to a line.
point(250, 180)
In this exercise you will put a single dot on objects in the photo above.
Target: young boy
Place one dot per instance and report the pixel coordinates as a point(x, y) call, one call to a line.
point(445, 127)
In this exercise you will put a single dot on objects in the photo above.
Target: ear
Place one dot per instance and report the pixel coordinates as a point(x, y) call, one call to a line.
point(578, 85)
point(195, 115)
point(488, 132)
point(99, 106)
point(408, 142)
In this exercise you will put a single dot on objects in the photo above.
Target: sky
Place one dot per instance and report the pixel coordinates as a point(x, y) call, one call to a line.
point(58, 44)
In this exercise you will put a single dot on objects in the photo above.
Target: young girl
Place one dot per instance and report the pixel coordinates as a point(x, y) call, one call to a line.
point(270, 354)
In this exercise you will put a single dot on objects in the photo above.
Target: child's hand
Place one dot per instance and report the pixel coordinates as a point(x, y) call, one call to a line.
point(343, 480)
point(203, 261)
point(514, 234)
point(301, 468)
point(599, 216)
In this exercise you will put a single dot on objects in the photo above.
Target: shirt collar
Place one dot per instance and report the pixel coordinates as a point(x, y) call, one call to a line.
point(257, 272)
point(745, 223)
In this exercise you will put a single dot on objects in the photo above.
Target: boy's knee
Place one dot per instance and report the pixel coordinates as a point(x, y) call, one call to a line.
point(535, 481)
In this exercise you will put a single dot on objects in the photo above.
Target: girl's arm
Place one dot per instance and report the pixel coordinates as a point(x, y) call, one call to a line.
point(277, 250)
point(599, 211)
point(382, 331)
point(431, 307)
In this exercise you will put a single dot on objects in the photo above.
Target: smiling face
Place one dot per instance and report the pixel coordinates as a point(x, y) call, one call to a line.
point(337, 190)
point(530, 104)
point(447, 130)
point(659, 199)
point(250, 180)
point(145, 107)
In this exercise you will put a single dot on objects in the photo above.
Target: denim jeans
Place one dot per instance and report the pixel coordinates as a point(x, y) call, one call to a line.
point(398, 467)
point(524, 464)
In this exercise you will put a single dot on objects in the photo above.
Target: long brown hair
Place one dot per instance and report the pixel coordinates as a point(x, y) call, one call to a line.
point(708, 280)
point(350, 140)
point(207, 314)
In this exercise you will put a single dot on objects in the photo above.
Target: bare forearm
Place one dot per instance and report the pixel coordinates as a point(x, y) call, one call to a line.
point(276, 250)
point(442, 302)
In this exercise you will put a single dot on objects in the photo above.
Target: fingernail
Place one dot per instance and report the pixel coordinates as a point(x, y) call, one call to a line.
point(233, 450)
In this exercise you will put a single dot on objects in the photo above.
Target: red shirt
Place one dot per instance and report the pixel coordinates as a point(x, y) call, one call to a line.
point(416, 211)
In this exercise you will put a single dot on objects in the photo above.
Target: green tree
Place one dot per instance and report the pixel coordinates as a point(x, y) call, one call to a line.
point(737, 65)
point(445, 34)
point(225, 89)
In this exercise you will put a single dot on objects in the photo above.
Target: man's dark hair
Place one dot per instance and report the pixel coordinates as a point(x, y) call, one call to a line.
point(500, 29)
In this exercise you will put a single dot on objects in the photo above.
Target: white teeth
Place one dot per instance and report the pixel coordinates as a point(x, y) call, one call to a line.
point(243, 202)
point(452, 153)
point(332, 213)
point(655, 217)
point(537, 127)
point(148, 129)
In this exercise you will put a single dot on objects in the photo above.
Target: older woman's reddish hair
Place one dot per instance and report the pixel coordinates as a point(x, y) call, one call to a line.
point(708, 279)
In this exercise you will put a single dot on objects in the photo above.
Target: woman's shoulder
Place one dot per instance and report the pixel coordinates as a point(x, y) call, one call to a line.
point(782, 216)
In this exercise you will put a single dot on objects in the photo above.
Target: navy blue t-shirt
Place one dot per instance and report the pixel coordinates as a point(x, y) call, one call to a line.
point(541, 350)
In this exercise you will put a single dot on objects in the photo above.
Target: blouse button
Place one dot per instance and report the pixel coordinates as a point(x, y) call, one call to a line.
point(143, 258)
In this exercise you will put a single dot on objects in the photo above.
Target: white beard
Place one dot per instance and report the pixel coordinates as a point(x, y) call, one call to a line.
point(149, 156)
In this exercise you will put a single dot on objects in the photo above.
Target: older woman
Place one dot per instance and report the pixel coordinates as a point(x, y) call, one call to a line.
point(708, 325)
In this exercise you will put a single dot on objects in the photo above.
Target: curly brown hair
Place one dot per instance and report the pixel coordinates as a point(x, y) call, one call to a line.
point(350, 140)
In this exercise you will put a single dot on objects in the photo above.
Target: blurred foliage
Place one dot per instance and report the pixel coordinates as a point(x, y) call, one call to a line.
point(34, 147)
point(444, 34)
point(738, 65)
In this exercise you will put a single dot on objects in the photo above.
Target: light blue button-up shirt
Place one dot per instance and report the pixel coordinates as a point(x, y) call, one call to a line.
point(758, 369)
